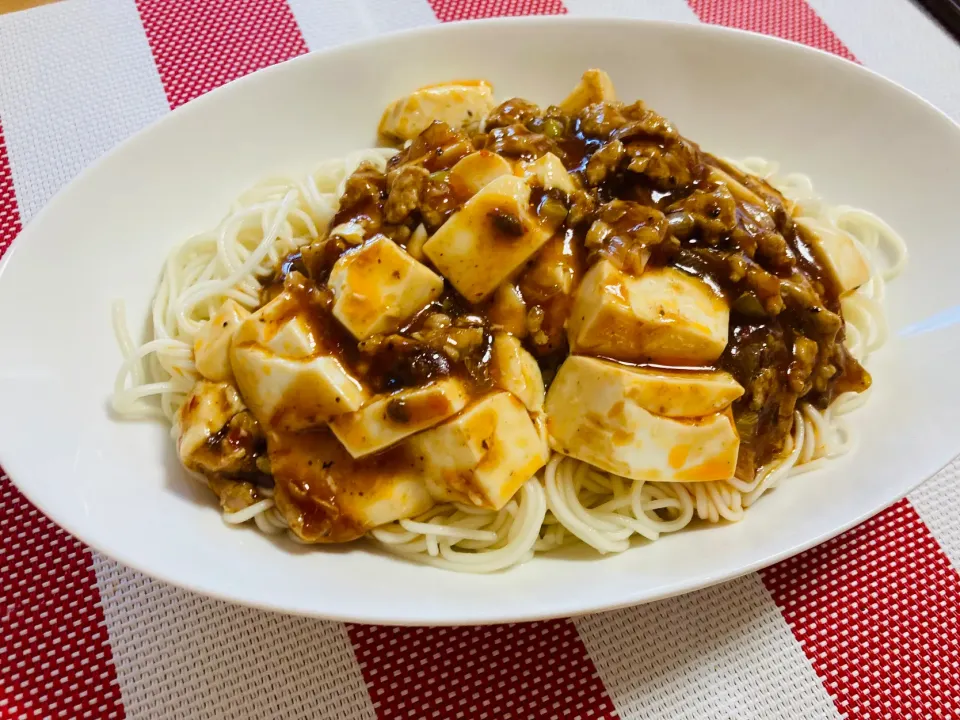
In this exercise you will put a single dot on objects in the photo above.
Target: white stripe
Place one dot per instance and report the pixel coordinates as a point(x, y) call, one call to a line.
point(75, 79)
point(178, 654)
point(895, 38)
point(937, 502)
point(334, 22)
point(723, 652)
point(648, 9)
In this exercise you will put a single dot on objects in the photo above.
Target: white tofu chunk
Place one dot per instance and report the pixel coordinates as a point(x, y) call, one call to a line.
point(508, 311)
point(477, 170)
point(840, 254)
point(387, 419)
point(211, 349)
point(600, 414)
point(288, 377)
point(547, 172)
point(515, 370)
point(287, 394)
point(378, 287)
point(327, 496)
point(416, 241)
point(494, 233)
point(663, 316)
point(282, 326)
point(670, 393)
point(483, 455)
point(455, 103)
point(207, 409)
point(594, 86)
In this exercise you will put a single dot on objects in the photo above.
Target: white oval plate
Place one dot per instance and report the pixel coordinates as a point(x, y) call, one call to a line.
point(118, 486)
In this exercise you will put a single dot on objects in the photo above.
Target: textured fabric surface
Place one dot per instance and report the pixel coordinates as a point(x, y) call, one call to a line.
point(513, 672)
point(178, 654)
point(723, 652)
point(883, 587)
point(864, 626)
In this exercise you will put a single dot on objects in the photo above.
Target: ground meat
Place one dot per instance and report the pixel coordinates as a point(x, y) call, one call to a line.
point(554, 123)
point(604, 162)
point(549, 285)
point(365, 186)
point(234, 495)
point(319, 257)
point(516, 141)
point(665, 168)
point(436, 148)
point(438, 202)
point(400, 234)
point(646, 123)
point(713, 211)
point(515, 111)
point(404, 186)
point(757, 356)
point(361, 203)
point(802, 364)
point(624, 233)
point(583, 208)
point(801, 299)
point(765, 285)
point(600, 120)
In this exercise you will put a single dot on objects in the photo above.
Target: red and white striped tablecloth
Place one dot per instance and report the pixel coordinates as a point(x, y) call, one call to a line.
point(864, 626)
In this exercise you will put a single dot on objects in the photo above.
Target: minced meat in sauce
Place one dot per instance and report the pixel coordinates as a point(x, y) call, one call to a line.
point(648, 197)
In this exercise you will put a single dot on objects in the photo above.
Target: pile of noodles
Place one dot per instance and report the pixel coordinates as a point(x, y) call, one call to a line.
point(568, 501)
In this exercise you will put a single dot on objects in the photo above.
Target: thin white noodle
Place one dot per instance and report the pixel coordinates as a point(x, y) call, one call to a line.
point(568, 501)
point(248, 513)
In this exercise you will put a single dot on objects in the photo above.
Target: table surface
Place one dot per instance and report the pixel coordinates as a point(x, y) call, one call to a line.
point(864, 626)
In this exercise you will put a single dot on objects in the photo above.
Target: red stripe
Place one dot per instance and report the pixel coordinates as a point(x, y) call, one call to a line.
point(449, 10)
point(198, 46)
point(875, 610)
point(787, 19)
point(56, 654)
point(525, 671)
point(9, 217)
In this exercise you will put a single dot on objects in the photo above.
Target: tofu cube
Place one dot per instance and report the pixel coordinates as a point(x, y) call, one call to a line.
point(477, 170)
point(288, 377)
point(378, 287)
point(387, 419)
point(594, 86)
point(669, 393)
point(283, 327)
point(327, 496)
point(663, 316)
point(839, 253)
point(515, 370)
point(211, 349)
point(600, 413)
point(455, 103)
point(548, 172)
point(207, 409)
point(483, 243)
point(483, 455)
point(285, 394)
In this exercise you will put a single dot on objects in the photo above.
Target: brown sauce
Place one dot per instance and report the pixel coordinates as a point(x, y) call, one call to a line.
point(663, 201)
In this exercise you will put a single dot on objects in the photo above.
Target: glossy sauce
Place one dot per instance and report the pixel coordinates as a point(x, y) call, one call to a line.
point(782, 295)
